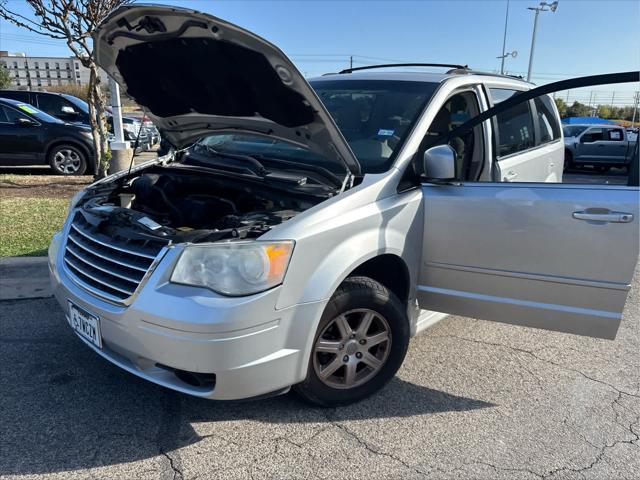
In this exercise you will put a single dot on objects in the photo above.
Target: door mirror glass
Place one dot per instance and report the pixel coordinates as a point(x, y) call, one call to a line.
point(439, 163)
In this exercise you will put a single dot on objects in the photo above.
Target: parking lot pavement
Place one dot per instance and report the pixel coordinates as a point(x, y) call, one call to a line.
point(474, 399)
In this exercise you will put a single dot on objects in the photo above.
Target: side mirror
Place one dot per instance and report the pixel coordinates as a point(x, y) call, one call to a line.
point(24, 122)
point(67, 110)
point(439, 163)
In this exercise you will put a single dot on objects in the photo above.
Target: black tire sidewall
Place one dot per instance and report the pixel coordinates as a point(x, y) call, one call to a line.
point(360, 292)
point(81, 154)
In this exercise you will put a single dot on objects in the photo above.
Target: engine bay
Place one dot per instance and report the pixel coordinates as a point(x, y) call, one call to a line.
point(179, 204)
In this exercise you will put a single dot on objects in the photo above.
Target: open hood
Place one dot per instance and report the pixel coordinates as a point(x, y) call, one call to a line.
point(197, 74)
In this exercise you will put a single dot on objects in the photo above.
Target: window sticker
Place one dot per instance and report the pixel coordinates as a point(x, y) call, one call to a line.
point(26, 108)
point(615, 135)
point(385, 133)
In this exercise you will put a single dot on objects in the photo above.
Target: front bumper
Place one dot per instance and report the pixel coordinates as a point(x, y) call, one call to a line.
point(251, 347)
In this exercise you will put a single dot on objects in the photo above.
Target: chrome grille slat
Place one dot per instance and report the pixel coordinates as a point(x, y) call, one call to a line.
point(94, 290)
point(121, 249)
point(104, 255)
point(90, 275)
point(104, 269)
point(111, 268)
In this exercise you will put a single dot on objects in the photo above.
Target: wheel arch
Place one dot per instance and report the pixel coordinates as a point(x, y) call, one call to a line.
point(388, 269)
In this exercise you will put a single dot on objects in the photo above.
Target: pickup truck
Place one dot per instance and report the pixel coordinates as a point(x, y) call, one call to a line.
point(602, 146)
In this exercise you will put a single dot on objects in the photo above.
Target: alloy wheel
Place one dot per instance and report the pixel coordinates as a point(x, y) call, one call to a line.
point(352, 348)
point(67, 161)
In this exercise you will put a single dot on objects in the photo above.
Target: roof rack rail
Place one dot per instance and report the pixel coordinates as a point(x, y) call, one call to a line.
point(388, 65)
point(460, 71)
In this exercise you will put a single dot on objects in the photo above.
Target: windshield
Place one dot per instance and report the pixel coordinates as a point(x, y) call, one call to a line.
point(573, 130)
point(256, 145)
point(375, 116)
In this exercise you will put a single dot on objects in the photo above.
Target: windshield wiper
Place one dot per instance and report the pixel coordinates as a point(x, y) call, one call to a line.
point(323, 172)
point(258, 168)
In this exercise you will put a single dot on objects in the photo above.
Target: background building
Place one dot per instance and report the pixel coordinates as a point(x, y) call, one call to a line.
point(35, 73)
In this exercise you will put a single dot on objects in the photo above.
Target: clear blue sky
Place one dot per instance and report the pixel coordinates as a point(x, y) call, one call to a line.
point(581, 37)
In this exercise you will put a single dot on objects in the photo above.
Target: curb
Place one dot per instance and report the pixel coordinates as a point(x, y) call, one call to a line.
point(24, 277)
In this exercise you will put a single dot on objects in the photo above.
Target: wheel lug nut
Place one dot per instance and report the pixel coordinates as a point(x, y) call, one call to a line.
point(363, 341)
point(358, 355)
point(345, 359)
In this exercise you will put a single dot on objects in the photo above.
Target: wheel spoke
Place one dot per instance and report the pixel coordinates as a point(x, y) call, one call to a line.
point(327, 346)
point(374, 340)
point(350, 373)
point(372, 361)
point(365, 324)
point(331, 368)
point(343, 327)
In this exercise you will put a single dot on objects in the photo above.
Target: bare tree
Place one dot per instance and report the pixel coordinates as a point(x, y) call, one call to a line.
point(74, 21)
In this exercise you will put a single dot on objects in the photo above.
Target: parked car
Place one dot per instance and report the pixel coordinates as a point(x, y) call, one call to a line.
point(75, 110)
point(600, 146)
point(131, 131)
point(30, 136)
point(60, 105)
point(300, 233)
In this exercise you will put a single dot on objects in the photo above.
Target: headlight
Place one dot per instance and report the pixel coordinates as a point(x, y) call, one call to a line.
point(234, 268)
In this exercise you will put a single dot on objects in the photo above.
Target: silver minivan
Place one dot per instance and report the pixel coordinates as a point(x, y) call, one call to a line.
point(301, 232)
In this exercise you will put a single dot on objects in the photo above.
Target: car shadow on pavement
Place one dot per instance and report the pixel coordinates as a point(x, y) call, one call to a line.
point(63, 408)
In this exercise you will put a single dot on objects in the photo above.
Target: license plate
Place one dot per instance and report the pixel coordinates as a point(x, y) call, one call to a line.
point(85, 325)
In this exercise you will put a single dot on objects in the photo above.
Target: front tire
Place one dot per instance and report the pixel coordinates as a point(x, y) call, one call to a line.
point(67, 160)
point(360, 343)
point(568, 161)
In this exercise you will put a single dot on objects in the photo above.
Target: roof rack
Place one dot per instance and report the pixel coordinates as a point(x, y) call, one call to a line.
point(388, 65)
point(461, 71)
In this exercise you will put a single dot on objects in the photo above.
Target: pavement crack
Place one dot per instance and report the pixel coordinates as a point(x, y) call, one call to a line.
point(374, 450)
point(177, 473)
point(533, 354)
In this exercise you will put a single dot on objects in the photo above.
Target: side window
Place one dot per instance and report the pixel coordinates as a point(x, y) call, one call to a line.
point(515, 132)
point(51, 104)
point(12, 115)
point(547, 120)
point(3, 115)
point(592, 135)
point(615, 135)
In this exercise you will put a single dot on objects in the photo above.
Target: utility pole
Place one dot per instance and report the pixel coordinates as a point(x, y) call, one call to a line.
point(543, 7)
point(351, 61)
point(504, 39)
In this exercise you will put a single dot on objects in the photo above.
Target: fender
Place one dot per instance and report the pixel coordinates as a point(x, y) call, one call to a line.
point(350, 239)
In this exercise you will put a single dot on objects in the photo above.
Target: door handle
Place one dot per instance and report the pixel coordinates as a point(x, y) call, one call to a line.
point(603, 216)
point(511, 175)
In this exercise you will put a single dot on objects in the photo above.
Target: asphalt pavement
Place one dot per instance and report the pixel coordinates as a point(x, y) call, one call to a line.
point(474, 399)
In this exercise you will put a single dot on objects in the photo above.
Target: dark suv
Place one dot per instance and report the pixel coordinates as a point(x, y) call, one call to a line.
point(60, 105)
point(30, 136)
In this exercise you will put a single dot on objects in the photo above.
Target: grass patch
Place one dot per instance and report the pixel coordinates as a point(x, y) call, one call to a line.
point(27, 224)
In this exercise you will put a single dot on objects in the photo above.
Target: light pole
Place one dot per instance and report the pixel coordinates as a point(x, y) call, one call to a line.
point(504, 40)
point(513, 54)
point(543, 7)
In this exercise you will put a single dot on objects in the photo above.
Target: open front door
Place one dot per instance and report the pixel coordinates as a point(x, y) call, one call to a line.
point(552, 256)
point(558, 256)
